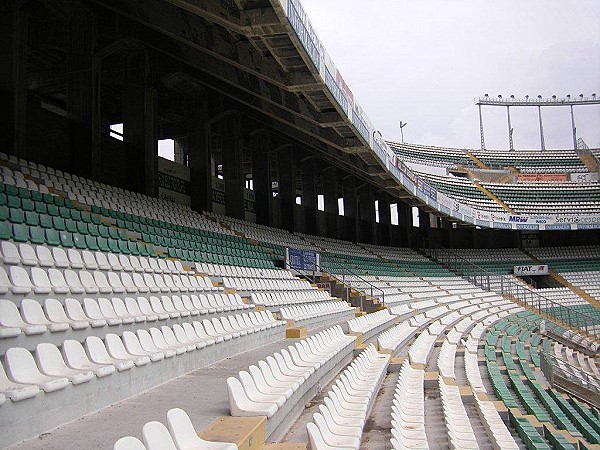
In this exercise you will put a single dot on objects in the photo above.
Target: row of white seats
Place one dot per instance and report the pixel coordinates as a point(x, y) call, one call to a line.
point(576, 358)
point(368, 322)
point(264, 389)
point(70, 258)
point(289, 297)
point(41, 281)
point(460, 432)
point(408, 410)
point(78, 363)
point(33, 318)
point(494, 425)
point(260, 284)
point(245, 272)
point(301, 312)
point(179, 434)
point(342, 417)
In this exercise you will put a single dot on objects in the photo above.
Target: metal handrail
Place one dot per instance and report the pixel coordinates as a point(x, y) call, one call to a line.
point(511, 289)
point(549, 365)
point(319, 268)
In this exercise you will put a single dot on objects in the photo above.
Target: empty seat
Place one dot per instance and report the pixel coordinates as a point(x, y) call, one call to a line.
point(98, 354)
point(21, 368)
point(129, 443)
point(75, 357)
point(75, 312)
point(21, 284)
point(50, 362)
point(185, 436)
point(56, 314)
point(156, 437)
point(33, 313)
point(16, 391)
point(11, 321)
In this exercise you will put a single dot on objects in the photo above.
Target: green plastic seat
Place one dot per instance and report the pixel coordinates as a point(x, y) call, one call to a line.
point(75, 214)
point(79, 241)
point(41, 207)
point(27, 204)
point(37, 235)
point(4, 212)
point(71, 225)
point(32, 218)
point(16, 215)
point(114, 246)
point(5, 230)
point(103, 244)
point(82, 228)
point(20, 232)
point(52, 237)
point(3, 198)
point(14, 202)
point(24, 193)
point(53, 210)
point(103, 230)
point(92, 243)
point(123, 248)
point(66, 239)
point(64, 212)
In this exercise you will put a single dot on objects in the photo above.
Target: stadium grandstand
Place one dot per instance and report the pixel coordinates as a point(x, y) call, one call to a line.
point(269, 288)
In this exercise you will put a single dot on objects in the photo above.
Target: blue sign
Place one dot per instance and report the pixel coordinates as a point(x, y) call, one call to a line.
point(304, 260)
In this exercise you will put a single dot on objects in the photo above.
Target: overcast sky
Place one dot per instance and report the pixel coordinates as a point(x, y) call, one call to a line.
point(424, 61)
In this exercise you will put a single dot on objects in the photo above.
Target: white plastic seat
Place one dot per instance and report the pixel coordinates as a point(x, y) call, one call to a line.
point(122, 309)
point(21, 284)
point(75, 259)
point(51, 362)
point(149, 345)
point(10, 253)
point(156, 437)
point(100, 280)
point(21, 368)
point(16, 391)
point(34, 314)
point(139, 284)
point(129, 443)
point(107, 309)
point(57, 281)
point(11, 321)
point(102, 261)
point(56, 314)
point(41, 282)
point(76, 358)
point(241, 405)
point(133, 346)
point(28, 255)
point(75, 312)
point(116, 349)
point(114, 283)
point(125, 263)
point(160, 342)
point(144, 306)
point(98, 354)
point(113, 260)
point(185, 436)
point(89, 260)
point(44, 256)
point(93, 311)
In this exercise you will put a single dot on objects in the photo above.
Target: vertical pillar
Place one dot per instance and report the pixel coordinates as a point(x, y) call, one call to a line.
point(287, 186)
point(510, 130)
point(330, 194)
point(385, 219)
point(199, 155)
point(233, 171)
point(366, 215)
point(481, 128)
point(574, 129)
point(542, 143)
point(261, 178)
point(309, 194)
point(140, 126)
point(13, 89)
point(83, 105)
point(350, 213)
point(424, 219)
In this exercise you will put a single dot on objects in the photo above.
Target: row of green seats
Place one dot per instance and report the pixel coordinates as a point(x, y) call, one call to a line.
point(50, 236)
point(527, 432)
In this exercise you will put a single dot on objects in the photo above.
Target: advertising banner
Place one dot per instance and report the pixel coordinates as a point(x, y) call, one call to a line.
point(541, 269)
point(542, 177)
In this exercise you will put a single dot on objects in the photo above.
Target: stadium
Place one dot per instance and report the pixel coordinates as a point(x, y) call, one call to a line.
point(290, 279)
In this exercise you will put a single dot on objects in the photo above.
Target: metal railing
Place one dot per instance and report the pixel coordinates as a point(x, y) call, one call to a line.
point(507, 286)
point(345, 271)
point(556, 370)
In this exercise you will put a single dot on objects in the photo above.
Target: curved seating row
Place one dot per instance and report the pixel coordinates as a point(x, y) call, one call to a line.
point(38, 280)
point(315, 314)
point(277, 299)
point(179, 434)
point(408, 410)
point(279, 386)
point(342, 417)
point(370, 325)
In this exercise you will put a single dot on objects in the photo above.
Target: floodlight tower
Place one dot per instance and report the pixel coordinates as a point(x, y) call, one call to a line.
point(402, 125)
point(581, 100)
